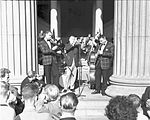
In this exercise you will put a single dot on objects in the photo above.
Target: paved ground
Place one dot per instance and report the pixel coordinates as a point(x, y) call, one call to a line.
point(90, 107)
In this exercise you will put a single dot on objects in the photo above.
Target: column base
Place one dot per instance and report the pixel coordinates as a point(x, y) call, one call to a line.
point(123, 85)
point(133, 81)
point(114, 90)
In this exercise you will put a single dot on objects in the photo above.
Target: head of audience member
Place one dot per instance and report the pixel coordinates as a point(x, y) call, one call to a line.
point(68, 102)
point(120, 108)
point(31, 75)
point(7, 92)
point(4, 74)
point(51, 91)
point(135, 99)
point(29, 93)
point(4, 91)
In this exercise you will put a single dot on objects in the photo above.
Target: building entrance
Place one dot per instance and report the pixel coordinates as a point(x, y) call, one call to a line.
point(76, 17)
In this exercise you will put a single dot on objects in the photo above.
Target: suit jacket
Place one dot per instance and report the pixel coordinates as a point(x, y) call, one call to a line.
point(72, 53)
point(46, 57)
point(105, 60)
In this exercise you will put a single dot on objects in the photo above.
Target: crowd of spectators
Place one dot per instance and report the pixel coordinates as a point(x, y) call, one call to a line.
point(39, 101)
point(35, 100)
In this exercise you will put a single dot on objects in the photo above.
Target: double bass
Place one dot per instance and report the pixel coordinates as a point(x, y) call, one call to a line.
point(92, 60)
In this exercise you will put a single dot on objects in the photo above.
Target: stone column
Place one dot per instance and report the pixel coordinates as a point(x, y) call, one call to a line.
point(54, 17)
point(18, 40)
point(97, 17)
point(132, 47)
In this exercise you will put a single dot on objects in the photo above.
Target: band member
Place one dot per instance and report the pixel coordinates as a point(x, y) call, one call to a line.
point(46, 51)
point(72, 62)
point(103, 63)
point(55, 64)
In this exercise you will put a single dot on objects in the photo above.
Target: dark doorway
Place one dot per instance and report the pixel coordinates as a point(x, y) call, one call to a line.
point(108, 19)
point(76, 17)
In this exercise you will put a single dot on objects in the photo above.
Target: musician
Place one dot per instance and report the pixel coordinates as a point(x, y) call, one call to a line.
point(72, 63)
point(46, 51)
point(103, 63)
point(56, 62)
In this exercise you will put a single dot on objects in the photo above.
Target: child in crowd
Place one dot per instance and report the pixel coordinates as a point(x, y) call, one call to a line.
point(68, 103)
point(49, 101)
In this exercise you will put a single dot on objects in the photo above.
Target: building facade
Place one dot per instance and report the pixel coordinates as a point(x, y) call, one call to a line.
point(20, 24)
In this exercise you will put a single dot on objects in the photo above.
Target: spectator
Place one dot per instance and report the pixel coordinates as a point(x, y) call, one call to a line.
point(29, 93)
point(48, 101)
point(148, 107)
point(30, 76)
point(137, 104)
point(14, 99)
point(68, 103)
point(145, 97)
point(7, 113)
point(120, 108)
point(4, 74)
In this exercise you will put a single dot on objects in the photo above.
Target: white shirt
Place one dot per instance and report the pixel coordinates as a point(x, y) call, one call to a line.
point(140, 116)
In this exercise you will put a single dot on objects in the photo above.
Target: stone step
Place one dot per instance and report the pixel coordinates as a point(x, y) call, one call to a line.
point(91, 117)
point(91, 112)
point(92, 104)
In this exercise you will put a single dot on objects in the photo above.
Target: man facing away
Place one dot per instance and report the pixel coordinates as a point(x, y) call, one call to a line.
point(68, 103)
point(7, 113)
point(103, 63)
point(29, 93)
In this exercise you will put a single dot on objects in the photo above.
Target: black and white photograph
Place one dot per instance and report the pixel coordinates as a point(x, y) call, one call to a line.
point(74, 59)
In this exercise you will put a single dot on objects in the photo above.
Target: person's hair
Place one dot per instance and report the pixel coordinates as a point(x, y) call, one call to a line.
point(3, 72)
point(135, 99)
point(44, 34)
point(120, 108)
point(52, 91)
point(69, 102)
point(31, 74)
point(4, 88)
point(29, 91)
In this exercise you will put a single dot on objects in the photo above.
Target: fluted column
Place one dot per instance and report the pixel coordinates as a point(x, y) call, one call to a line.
point(132, 47)
point(18, 41)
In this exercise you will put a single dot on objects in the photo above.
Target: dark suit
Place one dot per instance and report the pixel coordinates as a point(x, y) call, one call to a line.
point(145, 97)
point(72, 53)
point(46, 59)
point(102, 66)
